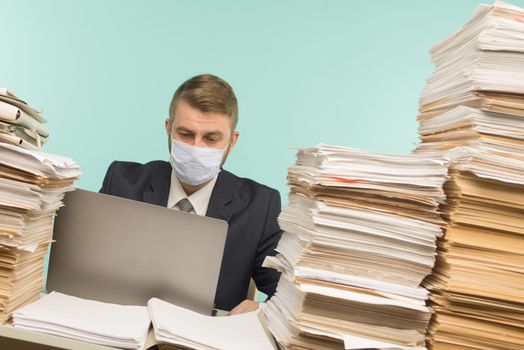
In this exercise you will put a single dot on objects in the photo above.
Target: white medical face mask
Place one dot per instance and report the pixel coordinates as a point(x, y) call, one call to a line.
point(195, 165)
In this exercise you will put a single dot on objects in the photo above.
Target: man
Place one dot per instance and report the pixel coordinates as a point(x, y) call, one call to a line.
point(201, 131)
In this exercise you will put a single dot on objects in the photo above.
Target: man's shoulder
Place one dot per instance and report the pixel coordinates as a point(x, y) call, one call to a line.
point(123, 178)
point(134, 169)
point(245, 185)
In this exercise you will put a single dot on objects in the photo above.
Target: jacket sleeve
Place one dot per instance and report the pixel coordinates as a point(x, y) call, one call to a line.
point(266, 279)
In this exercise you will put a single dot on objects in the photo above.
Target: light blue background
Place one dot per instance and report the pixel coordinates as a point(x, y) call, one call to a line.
point(339, 72)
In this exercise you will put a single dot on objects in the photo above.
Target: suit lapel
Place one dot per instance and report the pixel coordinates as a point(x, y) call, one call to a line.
point(220, 202)
point(158, 190)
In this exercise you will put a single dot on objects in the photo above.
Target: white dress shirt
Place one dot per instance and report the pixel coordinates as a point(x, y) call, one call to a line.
point(199, 200)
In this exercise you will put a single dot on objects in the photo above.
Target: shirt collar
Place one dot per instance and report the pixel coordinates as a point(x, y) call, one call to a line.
point(199, 200)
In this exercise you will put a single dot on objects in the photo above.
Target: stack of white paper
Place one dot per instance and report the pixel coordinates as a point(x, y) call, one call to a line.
point(360, 236)
point(21, 124)
point(120, 326)
point(495, 133)
point(475, 96)
point(481, 65)
point(127, 326)
point(32, 185)
point(177, 326)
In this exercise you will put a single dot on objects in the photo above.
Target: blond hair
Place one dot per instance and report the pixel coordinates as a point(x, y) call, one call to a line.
point(207, 93)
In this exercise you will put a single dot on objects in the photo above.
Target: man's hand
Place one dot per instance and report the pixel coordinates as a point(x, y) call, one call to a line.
point(245, 306)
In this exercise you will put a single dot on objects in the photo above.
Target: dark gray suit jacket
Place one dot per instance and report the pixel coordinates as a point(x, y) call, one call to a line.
point(251, 210)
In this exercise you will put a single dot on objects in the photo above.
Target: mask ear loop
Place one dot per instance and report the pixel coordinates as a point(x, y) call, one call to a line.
point(224, 154)
point(229, 143)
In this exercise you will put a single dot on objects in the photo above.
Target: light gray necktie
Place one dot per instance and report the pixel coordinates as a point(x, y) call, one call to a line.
point(185, 205)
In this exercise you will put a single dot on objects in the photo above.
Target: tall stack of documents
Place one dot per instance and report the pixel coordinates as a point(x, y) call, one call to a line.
point(472, 111)
point(32, 185)
point(21, 124)
point(475, 96)
point(360, 236)
point(477, 286)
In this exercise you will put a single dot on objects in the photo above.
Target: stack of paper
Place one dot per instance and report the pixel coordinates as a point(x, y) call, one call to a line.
point(475, 96)
point(472, 111)
point(21, 124)
point(178, 327)
point(360, 236)
point(496, 133)
point(478, 282)
point(127, 326)
point(121, 326)
point(481, 65)
point(32, 185)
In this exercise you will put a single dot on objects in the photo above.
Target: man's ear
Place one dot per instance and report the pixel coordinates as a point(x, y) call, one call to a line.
point(168, 130)
point(234, 139)
point(232, 143)
point(168, 126)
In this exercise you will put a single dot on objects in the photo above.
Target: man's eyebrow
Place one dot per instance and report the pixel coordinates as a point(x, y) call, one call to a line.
point(214, 133)
point(182, 129)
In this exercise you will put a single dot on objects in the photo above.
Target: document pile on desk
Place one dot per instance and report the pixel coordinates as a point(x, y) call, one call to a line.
point(127, 327)
point(32, 185)
point(187, 329)
point(360, 236)
point(21, 124)
point(475, 98)
point(114, 325)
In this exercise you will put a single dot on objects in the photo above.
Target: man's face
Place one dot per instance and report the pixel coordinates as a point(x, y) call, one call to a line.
point(201, 129)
